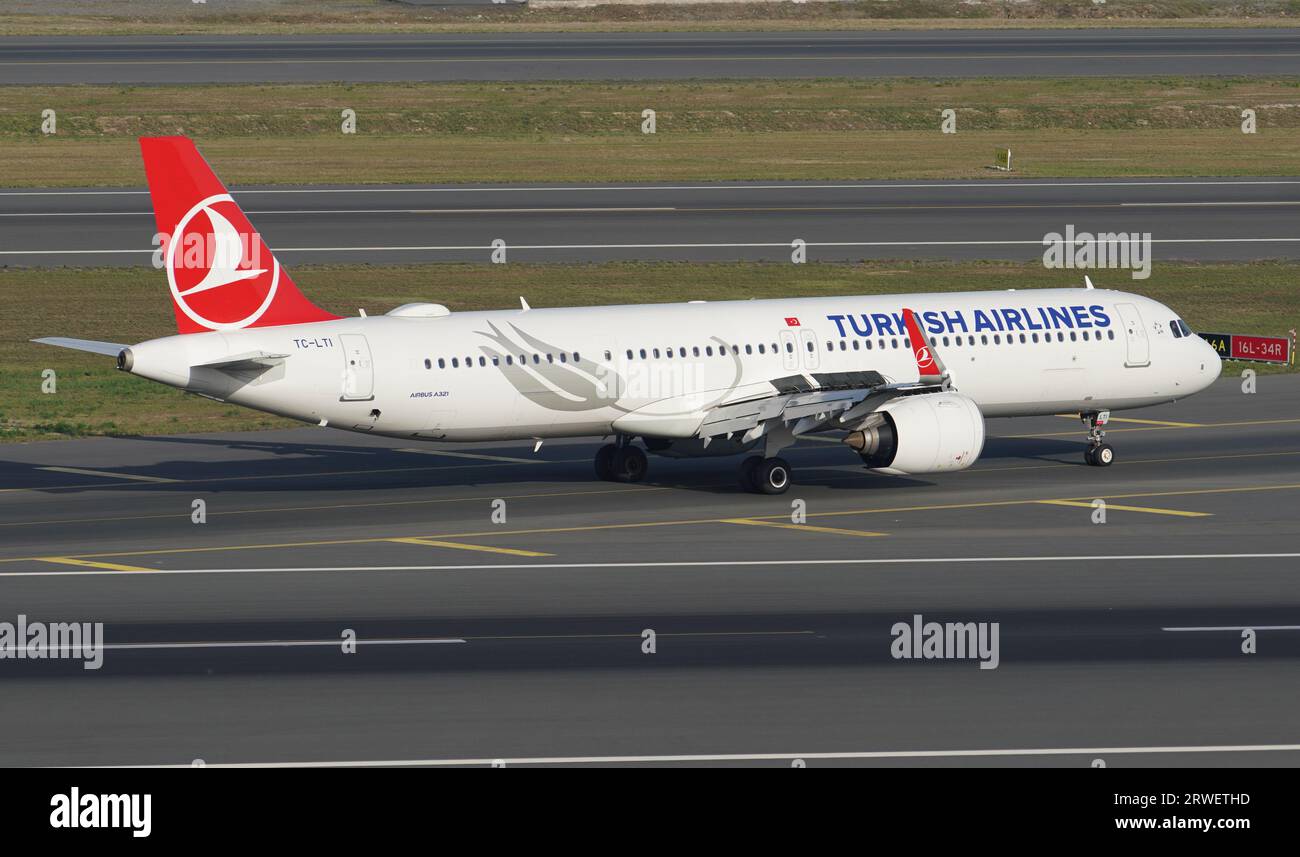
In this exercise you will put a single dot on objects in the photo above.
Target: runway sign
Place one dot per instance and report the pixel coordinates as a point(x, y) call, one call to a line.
point(1259, 349)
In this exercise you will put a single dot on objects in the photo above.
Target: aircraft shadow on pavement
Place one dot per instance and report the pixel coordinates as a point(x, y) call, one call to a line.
point(289, 466)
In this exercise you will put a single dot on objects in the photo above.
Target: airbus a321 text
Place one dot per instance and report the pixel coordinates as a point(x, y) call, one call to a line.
point(908, 379)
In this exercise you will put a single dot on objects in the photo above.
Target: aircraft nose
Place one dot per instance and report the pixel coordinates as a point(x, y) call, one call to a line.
point(1207, 366)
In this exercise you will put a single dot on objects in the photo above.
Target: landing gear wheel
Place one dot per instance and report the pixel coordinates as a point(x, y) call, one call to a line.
point(605, 462)
point(629, 464)
point(747, 468)
point(772, 476)
point(1099, 453)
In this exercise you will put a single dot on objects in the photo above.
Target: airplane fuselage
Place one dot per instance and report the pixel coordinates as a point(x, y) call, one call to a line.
point(655, 369)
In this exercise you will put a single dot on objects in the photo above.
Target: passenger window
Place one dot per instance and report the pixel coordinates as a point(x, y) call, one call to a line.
point(1022, 338)
point(496, 361)
point(510, 360)
point(442, 363)
point(1073, 337)
point(564, 358)
point(455, 364)
point(893, 343)
point(695, 351)
point(708, 351)
point(482, 361)
point(642, 353)
point(789, 346)
point(997, 339)
point(856, 345)
point(655, 352)
point(1110, 334)
point(749, 349)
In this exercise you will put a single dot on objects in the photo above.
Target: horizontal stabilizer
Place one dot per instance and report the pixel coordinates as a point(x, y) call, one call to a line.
point(112, 349)
point(250, 360)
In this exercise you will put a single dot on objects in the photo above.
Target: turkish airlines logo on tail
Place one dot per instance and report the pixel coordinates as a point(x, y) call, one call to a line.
point(924, 359)
point(792, 322)
point(214, 266)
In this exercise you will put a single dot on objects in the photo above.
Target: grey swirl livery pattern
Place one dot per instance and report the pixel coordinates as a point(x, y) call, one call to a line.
point(573, 385)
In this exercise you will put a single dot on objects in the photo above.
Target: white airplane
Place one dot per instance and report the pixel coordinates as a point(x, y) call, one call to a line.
point(693, 379)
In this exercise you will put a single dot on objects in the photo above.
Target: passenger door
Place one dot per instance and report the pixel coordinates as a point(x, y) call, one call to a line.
point(1139, 347)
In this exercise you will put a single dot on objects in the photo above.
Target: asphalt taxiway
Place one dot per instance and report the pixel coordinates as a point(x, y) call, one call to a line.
point(1207, 218)
point(523, 639)
point(648, 56)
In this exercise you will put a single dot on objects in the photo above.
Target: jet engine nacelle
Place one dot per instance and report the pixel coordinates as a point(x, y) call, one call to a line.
point(926, 433)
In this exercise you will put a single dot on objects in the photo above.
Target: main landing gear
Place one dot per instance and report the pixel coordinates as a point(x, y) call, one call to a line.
point(1099, 453)
point(621, 462)
point(765, 475)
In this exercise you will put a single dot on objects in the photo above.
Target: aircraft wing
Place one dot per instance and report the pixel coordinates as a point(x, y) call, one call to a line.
point(816, 401)
point(112, 349)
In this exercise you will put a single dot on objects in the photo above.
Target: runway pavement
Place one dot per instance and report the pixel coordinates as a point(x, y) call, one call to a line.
point(642, 56)
point(522, 639)
point(999, 219)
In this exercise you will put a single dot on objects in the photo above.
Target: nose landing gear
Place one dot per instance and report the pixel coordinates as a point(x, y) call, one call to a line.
point(1099, 453)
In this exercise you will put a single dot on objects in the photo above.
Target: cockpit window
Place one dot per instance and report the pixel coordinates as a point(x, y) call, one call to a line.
point(1176, 327)
point(1187, 331)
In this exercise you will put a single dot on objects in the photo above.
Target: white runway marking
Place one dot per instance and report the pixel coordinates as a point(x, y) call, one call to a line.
point(1239, 628)
point(769, 757)
point(1092, 559)
point(266, 644)
point(785, 245)
point(599, 209)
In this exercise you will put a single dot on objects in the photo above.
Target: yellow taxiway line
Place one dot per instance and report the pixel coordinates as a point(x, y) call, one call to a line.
point(807, 528)
point(107, 474)
point(436, 543)
point(108, 566)
point(1116, 507)
point(939, 507)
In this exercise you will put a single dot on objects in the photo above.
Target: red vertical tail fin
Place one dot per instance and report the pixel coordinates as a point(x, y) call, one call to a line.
point(221, 273)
